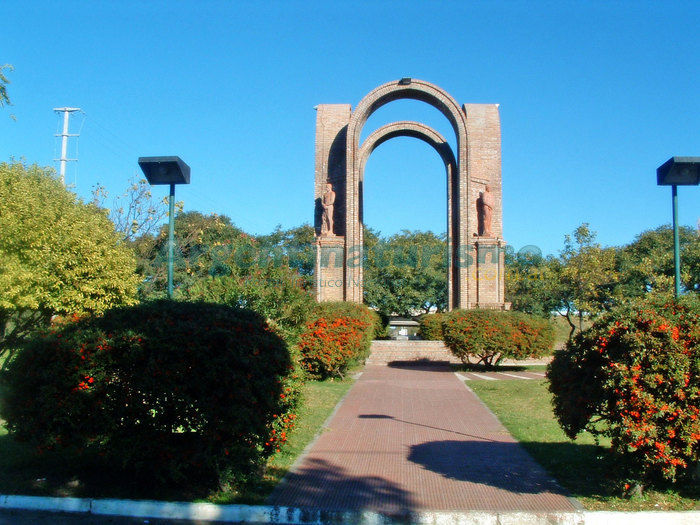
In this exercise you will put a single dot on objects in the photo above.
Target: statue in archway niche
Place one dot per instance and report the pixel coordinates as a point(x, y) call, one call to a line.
point(327, 202)
point(486, 203)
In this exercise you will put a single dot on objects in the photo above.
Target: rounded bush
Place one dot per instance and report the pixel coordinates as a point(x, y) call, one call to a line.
point(634, 376)
point(169, 390)
point(430, 327)
point(338, 335)
point(489, 336)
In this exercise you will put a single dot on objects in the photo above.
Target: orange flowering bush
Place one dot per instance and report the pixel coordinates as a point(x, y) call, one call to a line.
point(431, 327)
point(634, 376)
point(338, 335)
point(180, 392)
point(489, 336)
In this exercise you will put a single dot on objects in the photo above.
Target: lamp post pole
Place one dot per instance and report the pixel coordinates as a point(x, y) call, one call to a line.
point(676, 243)
point(171, 239)
point(678, 171)
point(167, 170)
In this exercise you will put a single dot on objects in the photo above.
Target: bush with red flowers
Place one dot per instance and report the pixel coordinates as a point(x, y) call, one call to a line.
point(634, 376)
point(430, 327)
point(338, 336)
point(169, 390)
point(490, 336)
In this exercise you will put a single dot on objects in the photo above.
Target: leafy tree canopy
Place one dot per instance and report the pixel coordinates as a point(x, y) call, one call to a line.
point(406, 273)
point(58, 255)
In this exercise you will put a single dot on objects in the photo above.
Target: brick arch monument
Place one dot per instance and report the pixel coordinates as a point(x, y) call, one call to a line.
point(474, 213)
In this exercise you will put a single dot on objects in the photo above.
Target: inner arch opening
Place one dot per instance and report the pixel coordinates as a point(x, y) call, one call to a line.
point(405, 188)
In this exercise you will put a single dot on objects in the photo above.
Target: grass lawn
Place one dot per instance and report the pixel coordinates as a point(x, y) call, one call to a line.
point(585, 469)
point(23, 472)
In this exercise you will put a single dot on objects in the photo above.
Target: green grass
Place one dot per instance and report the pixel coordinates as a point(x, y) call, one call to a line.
point(562, 329)
point(23, 472)
point(585, 469)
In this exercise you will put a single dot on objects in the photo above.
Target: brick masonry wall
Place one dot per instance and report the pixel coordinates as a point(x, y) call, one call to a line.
point(384, 352)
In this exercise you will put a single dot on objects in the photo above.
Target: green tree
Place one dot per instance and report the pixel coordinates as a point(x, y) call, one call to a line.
point(58, 255)
point(646, 264)
point(586, 275)
point(204, 245)
point(531, 282)
point(216, 261)
point(293, 248)
point(405, 273)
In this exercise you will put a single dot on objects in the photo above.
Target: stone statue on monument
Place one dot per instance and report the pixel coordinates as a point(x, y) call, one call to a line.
point(327, 201)
point(486, 203)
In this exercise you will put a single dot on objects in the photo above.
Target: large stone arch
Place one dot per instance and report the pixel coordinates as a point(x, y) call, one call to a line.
point(440, 145)
point(475, 279)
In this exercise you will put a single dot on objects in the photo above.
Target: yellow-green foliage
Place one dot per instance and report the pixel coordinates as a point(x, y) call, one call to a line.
point(57, 254)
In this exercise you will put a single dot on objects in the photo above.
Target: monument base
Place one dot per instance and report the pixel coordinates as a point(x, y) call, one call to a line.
point(490, 273)
point(330, 274)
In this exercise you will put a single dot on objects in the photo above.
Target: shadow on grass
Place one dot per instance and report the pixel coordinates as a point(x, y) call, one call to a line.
point(592, 471)
point(57, 473)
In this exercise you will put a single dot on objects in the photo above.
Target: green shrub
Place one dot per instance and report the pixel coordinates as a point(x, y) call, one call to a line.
point(339, 335)
point(490, 336)
point(275, 292)
point(431, 327)
point(170, 391)
point(634, 376)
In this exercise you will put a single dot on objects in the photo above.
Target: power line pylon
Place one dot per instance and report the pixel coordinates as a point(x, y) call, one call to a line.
point(64, 140)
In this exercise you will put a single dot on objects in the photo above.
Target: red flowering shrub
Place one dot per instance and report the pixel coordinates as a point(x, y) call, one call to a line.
point(431, 327)
point(490, 336)
point(533, 336)
point(634, 376)
point(338, 335)
point(171, 390)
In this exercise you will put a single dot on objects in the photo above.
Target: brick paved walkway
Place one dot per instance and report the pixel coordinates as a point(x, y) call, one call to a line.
point(413, 437)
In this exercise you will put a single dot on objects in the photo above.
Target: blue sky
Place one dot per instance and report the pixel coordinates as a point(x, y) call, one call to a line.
point(593, 96)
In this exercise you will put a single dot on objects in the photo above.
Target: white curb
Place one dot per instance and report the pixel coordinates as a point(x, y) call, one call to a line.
point(44, 503)
point(203, 512)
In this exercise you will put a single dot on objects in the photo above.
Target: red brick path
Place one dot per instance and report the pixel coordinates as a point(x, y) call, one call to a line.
point(413, 437)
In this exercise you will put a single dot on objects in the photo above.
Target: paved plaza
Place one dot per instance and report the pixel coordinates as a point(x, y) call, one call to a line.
point(411, 437)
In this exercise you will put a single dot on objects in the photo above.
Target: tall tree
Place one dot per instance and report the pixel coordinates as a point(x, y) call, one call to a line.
point(58, 255)
point(586, 275)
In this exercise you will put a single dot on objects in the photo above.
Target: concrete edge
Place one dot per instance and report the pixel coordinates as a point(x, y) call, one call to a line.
point(298, 516)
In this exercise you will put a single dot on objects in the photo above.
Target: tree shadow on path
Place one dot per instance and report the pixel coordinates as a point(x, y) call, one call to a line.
point(502, 465)
point(322, 485)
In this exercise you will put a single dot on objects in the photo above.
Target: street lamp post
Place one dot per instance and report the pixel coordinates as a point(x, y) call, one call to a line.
point(678, 171)
point(172, 171)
